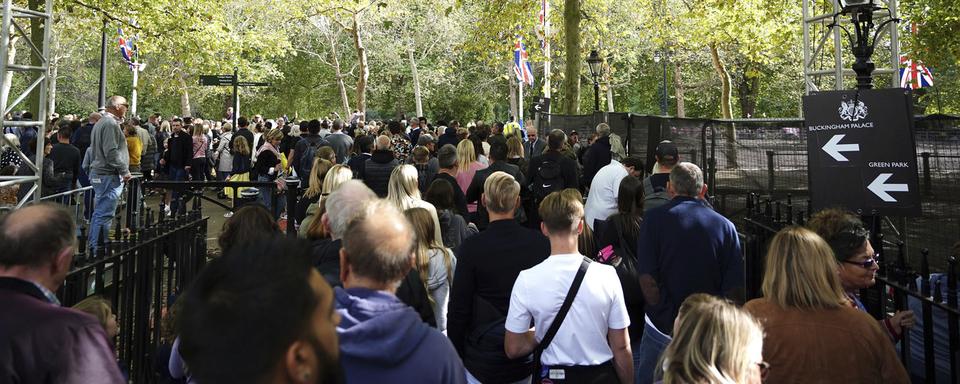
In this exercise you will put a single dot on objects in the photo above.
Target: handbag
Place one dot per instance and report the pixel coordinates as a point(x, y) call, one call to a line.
point(539, 372)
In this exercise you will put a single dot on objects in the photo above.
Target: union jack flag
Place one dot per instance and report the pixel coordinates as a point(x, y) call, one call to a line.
point(521, 67)
point(128, 50)
point(914, 75)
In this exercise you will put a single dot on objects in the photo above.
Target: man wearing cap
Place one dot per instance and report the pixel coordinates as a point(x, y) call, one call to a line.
point(655, 186)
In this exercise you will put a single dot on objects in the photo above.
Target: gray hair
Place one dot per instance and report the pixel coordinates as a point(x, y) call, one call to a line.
point(343, 204)
point(382, 142)
point(116, 101)
point(377, 243)
point(687, 179)
point(603, 129)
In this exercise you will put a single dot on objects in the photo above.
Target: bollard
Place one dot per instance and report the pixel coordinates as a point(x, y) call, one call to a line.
point(953, 327)
point(927, 182)
point(293, 189)
point(776, 216)
point(801, 218)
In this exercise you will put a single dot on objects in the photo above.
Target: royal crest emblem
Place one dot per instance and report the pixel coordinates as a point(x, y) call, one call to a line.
point(852, 110)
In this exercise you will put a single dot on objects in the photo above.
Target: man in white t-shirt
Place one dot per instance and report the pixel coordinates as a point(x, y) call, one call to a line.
point(605, 187)
point(592, 341)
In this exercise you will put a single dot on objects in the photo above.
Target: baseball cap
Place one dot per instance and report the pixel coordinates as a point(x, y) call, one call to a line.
point(667, 152)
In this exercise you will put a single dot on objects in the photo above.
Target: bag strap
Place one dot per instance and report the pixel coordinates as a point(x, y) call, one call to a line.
point(564, 308)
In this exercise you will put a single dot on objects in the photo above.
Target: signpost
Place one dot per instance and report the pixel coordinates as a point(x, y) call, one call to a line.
point(861, 151)
point(233, 81)
point(542, 105)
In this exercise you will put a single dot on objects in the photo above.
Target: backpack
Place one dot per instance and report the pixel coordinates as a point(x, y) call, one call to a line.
point(549, 178)
point(306, 160)
point(622, 259)
point(653, 197)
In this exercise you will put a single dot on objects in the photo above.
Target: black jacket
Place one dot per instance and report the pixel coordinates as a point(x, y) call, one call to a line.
point(246, 134)
point(459, 199)
point(377, 169)
point(568, 168)
point(448, 137)
point(66, 161)
point(476, 189)
point(488, 264)
point(326, 258)
point(356, 165)
point(597, 157)
point(181, 150)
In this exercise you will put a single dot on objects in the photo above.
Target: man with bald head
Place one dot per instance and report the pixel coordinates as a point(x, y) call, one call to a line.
point(41, 342)
point(377, 169)
point(381, 338)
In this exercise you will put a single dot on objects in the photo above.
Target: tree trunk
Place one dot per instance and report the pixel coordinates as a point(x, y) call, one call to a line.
point(678, 89)
point(726, 107)
point(416, 83)
point(747, 89)
point(52, 87)
point(609, 96)
point(362, 64)
point(11, 59)
point(571, 71)
point(336, 69)
point(185, 99)
point(36, 36)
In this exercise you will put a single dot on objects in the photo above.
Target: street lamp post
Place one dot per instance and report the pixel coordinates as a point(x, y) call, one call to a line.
point(594, 62)
point(661, 58)
point(102, 93)
point(861, 16)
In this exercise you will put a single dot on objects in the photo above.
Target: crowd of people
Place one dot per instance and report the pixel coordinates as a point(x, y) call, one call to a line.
point(448, 254)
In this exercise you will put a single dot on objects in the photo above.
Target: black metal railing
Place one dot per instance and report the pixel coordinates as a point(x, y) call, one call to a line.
point(930, 349)
point(138, 271)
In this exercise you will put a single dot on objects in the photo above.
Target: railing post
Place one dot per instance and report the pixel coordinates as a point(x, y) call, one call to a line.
point(927, 182)
point(293, 190)
point(771, 180)
point(927, 316)
point(953, 327)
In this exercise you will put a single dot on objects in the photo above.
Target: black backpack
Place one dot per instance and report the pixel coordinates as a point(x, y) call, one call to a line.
point(549, 178)
point(306, 160)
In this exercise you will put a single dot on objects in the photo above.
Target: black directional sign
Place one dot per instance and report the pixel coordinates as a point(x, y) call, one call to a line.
point(542, 105)
point(861, 151)
point(217, 80)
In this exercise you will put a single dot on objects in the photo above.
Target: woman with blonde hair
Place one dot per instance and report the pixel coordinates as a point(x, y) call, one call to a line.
point(813, 334)
point(467, 166)
point(198, 164)
point(515, 155)
point(434, 262)
point(311, 228)
point(714, 342)
point(404, 193)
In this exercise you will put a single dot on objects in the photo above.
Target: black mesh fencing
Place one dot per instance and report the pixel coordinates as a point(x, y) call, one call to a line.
point(769, 156)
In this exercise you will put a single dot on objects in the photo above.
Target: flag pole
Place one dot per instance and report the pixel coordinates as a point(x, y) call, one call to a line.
point(546, 49)
point(520, 103)
point(133, 92)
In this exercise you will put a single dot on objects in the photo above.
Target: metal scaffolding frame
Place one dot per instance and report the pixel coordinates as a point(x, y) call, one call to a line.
point(821, 65)
point(38, 78)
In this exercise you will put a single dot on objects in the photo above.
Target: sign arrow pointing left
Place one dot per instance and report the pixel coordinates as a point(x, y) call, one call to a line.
point(880, 188)
point(833, 148)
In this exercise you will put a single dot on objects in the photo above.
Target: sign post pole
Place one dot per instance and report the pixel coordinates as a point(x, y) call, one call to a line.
point(236, 97)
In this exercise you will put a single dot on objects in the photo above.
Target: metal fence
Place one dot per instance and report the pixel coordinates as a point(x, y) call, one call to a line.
point(930, 349)
point(138, 271)
point(770, 155)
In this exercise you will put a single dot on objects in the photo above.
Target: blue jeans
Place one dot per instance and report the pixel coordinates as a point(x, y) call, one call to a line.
point(266, 198)
point(177, 174)
point(652, 345)
point(106, 194)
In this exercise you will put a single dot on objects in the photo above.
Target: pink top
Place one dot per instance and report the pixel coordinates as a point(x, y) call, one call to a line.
point(199, 146)
point(465, 177)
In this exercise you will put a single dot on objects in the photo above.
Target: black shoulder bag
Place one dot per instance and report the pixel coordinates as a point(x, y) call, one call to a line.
point(557, 321)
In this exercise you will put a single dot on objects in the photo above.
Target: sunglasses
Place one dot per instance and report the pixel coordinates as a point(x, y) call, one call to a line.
point(866, 264)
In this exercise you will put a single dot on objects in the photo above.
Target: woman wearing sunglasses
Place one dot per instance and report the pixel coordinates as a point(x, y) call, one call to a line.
point(714, 342)
point(813, 334)
point(859, 263)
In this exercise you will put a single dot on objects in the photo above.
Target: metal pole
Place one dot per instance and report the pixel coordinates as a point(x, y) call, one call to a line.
point(102, 95)
point(596, 94)
point(133, 92)
point(663, 103)
point(236, 98)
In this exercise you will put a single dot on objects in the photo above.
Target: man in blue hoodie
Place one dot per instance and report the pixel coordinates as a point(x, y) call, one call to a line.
point(381, 338)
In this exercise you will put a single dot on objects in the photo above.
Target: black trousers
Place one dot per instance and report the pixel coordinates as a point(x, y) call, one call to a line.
point(582, 374)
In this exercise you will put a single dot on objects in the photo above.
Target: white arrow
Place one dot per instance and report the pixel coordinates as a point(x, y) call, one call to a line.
point(833, 148)
point(879, 188)
point(537, 107)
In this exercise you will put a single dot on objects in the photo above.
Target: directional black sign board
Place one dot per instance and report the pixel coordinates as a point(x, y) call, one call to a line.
point(217, 80)
point(861, 151)
point(542, 105)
